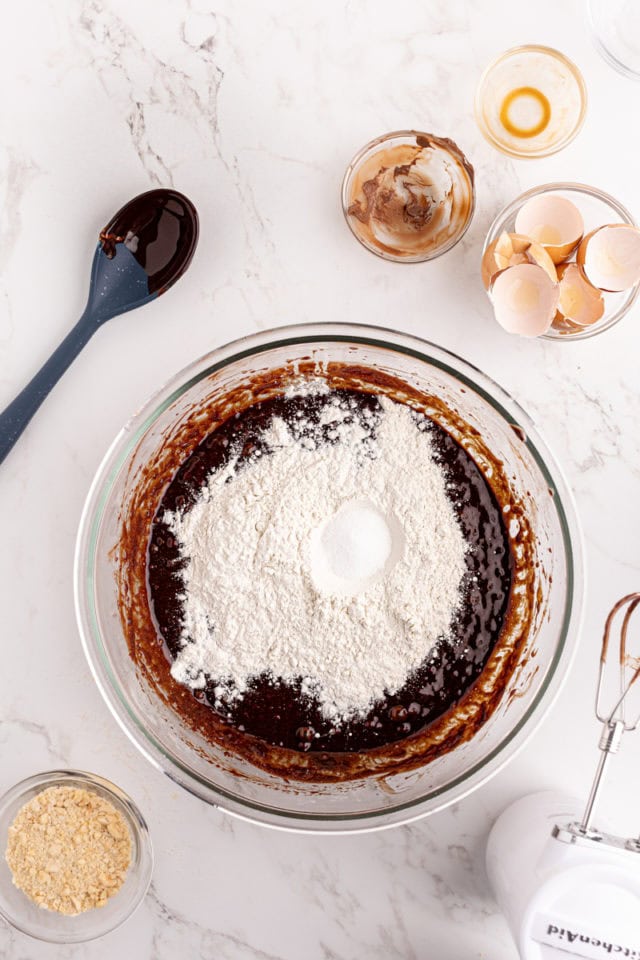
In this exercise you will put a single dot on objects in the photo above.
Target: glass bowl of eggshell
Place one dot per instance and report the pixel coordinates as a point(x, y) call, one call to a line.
point(562, 262)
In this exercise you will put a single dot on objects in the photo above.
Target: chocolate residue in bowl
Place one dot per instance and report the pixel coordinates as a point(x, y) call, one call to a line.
point(460, 720)
point(410, 200)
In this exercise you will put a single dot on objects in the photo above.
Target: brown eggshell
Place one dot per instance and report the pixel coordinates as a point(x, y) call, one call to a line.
point(590, 307)
point(554, 212)
point(633, 265)
point(524, 299)
point(510, 249)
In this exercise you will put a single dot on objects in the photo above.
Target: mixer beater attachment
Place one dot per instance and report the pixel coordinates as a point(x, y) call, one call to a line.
point(615, 722)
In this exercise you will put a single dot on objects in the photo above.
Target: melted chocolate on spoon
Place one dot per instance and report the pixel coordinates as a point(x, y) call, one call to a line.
point(160, 229)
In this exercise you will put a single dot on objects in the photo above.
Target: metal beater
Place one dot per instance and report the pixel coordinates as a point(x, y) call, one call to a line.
point(615, 722)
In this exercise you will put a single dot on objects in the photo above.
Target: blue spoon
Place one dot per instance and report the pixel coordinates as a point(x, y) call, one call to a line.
point(142, 251)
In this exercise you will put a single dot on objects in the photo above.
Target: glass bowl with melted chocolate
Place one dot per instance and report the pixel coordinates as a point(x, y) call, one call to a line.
point(273, 755)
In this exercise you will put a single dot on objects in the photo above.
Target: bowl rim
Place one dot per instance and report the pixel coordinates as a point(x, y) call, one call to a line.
point(576, 73)
point(39, 782)
point(115, 459)
point(570, 186)
point(594, 12)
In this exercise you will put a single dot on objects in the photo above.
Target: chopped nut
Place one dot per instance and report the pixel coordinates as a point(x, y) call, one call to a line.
point(69, 850)
point(115, 829)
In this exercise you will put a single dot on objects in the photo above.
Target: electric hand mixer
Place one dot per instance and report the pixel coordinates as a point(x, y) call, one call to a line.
point(566, 887)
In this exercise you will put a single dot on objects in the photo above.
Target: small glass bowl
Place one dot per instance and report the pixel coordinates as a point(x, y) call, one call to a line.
point(615, 27)
point(28, 917)
point(551, 79)
point(597, 208)
point(389, 141)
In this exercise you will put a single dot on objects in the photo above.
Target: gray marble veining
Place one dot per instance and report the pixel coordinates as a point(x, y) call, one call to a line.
point(254, 110)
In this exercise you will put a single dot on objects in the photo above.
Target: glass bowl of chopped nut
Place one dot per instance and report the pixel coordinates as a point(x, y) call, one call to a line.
point(76, 856)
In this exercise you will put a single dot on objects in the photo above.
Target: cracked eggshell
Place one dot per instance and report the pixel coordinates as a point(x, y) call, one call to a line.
point(610, 257)
point(525, 299)
point(554, 222)
point(510, 249)
point(565, 326)
point(579, 302)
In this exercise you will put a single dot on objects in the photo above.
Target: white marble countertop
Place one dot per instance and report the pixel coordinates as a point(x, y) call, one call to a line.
point(254, 111)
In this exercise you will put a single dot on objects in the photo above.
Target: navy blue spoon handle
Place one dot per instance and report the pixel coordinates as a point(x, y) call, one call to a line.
point(17, 415)
point(118, 283)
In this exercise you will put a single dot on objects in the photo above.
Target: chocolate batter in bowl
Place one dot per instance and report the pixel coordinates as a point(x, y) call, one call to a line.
point(411, 755)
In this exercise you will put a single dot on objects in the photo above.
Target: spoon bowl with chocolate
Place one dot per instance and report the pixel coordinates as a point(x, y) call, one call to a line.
point(329, 578)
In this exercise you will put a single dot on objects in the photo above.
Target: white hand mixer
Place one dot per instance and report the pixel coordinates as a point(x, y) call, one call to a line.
point(565, 887)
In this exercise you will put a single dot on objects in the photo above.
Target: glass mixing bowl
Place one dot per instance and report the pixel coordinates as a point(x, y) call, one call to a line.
point(380, 800)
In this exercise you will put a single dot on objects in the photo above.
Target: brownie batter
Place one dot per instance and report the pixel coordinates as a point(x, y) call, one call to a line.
point(277, 713)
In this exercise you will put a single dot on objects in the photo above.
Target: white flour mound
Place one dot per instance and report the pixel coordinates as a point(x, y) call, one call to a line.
point(253, 601)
